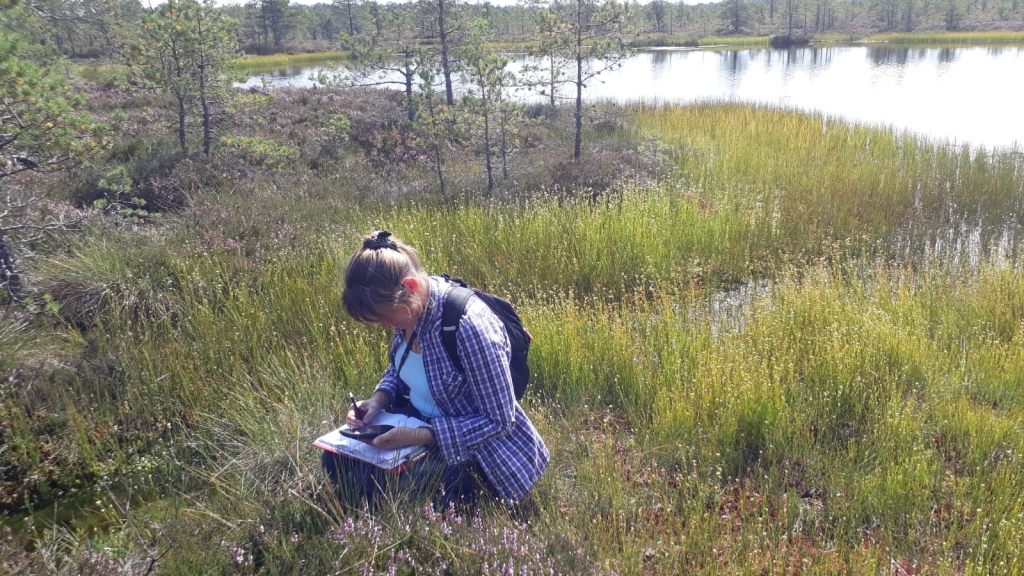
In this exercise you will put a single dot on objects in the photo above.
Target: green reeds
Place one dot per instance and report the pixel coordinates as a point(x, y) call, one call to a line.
point(256, 64)
point(817, 178)
point(626, 242)
point(733, 41)
point(870, 396)
point(986, 37)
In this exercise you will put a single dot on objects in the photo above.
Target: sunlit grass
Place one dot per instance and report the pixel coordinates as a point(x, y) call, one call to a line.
point(843, 407)
point(981, 37)
point(733, 41)
point(664, 40)
point(832, 38)
point(256, 64)
point(818, 178)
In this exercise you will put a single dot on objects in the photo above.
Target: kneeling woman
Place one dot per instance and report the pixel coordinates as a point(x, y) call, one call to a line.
point(479, 437)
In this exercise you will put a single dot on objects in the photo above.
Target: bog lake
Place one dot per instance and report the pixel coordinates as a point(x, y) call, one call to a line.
point(963, 95)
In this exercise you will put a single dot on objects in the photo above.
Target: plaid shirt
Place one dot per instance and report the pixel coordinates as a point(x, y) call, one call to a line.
point(480, 416)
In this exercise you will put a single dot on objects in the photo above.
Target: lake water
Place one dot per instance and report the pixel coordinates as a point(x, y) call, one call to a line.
point(964, 95)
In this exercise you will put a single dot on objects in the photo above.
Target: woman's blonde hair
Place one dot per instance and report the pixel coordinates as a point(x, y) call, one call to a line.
point(373, 277)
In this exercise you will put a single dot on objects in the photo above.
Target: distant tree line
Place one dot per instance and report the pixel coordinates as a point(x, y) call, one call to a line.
point(307, 26)
point(94, 28)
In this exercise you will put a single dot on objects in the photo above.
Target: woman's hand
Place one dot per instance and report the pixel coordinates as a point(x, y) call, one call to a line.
point(404, 436)
point(369, 409)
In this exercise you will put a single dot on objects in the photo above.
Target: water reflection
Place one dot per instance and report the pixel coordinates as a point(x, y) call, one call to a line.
point(659, 59)
point(947, 55)
point(963, 94)
point(733, 63)
point(883, 56)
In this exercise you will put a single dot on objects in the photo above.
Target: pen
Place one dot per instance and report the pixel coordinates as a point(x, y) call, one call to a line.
point(359, 412)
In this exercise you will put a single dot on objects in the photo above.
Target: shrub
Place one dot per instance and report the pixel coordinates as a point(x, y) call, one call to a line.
point(261, 152)
point(784, 41)
point(147, 164)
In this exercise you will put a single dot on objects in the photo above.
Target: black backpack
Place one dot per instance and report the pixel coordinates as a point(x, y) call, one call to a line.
point(518, 337)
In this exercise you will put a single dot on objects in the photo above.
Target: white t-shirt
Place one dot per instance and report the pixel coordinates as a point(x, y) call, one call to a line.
point(415, 377)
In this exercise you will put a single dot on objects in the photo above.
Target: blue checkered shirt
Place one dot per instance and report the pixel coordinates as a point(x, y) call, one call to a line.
point(480, 416)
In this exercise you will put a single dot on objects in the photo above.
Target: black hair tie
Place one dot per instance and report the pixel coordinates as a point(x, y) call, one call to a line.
point(380, 239)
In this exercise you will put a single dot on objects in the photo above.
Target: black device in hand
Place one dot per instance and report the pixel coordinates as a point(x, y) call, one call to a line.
point(368, 432)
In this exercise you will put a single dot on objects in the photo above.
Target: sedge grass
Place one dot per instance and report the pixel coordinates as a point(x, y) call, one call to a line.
point(818, 177)
point(257, 64)
point(980, 37)
point(625, 243)
point(845, 387)
point(678, 446)
point(733, 41)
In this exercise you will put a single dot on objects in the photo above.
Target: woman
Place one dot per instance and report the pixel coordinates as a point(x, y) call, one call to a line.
point(479, 437)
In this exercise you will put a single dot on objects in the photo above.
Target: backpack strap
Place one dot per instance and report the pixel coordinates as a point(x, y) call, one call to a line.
point(454, 308)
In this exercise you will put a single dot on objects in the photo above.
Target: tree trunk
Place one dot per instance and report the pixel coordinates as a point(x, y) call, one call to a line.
point(578, 144)
point(181, 124)
point(554, 73)
point(578, 113)
point(504, 145)
point(487, 149)
point(442, 35)
point(8, 269)
point(440, 169)
point(207, 134)
point(410, 102)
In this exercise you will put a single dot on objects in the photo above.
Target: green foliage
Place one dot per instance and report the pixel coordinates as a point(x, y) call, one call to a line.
point(496, 120)
point(42, 129)
point(334, 135)
point(43, 122)
point(261, 151)
point(438, 127)
point(761, 362)
point(268, 23)
point(117, 199)
point(185, 49)
point(577, 32)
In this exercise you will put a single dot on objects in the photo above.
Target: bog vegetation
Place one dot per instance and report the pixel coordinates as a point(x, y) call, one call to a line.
point(765, 341)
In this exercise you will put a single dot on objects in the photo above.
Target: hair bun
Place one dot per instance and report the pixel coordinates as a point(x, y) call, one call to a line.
point(380, 239)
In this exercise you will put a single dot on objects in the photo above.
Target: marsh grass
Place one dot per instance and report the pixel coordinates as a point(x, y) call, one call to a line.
point(815, 178)
point(839, 415)
point(857, 411)
point(259, 64)
point(981, 37)
point(711, 41)
point(838, 424)
point(623, 244)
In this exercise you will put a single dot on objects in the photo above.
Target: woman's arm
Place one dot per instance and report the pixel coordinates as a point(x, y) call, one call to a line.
point(404, 436)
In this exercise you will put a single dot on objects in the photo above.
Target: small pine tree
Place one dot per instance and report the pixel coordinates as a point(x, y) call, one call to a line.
point(183, 50)
point(42, 129)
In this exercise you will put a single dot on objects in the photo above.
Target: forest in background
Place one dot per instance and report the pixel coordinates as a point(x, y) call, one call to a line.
point(93, 28)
